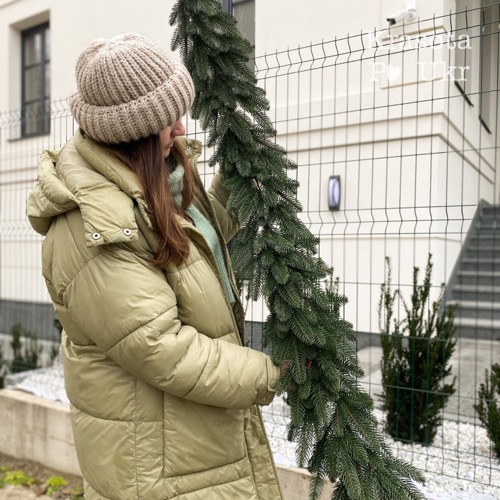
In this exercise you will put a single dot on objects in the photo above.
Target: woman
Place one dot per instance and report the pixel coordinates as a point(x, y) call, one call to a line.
point(163, 393)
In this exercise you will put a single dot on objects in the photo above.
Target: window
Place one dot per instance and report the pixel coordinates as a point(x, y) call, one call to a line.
point(244, 12)
point(478, 23)
point(463, 54)
point(489, 55)
point(35, 77)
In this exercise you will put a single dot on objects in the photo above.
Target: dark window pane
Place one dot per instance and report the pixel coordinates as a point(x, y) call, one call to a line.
point(46, 117)
point(47, 79)
point(35, 103)
point(33, 48)
point(245, 15)
point(32, 83)
point(33, 117)
point(489, 53)
point(463, 51)
point(36, 118)
point(46, 36)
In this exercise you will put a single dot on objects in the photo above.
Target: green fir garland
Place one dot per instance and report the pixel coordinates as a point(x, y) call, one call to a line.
point(331, 417)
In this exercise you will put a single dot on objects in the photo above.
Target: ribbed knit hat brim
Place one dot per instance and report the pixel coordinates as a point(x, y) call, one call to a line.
point(128, 88)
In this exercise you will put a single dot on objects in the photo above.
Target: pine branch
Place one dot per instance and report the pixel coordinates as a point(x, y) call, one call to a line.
point(330, 415)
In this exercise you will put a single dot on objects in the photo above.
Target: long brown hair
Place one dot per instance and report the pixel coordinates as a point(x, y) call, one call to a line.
point(145, 158)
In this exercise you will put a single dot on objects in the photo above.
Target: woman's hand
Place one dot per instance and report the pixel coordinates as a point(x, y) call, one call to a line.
point(284, 367)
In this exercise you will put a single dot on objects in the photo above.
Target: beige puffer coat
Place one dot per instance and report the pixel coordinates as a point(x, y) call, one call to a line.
point(162, 391)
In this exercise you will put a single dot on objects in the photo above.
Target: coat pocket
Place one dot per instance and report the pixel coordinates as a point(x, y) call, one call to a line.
point(200, 437)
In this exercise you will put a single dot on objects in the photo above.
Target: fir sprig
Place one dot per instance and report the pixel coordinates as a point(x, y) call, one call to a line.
point(331, 417)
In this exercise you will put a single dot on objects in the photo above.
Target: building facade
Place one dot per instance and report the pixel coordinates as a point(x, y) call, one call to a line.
point(404, 113)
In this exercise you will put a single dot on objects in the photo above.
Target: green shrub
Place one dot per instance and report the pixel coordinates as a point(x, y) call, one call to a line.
point(17, 478)
point(415, 356)
point(27, 358)
point(3, 470)
point(488, 407)
point(23, 358)
point(54, 484)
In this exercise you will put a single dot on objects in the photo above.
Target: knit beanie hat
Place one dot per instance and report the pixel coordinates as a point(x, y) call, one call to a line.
point(129, 88)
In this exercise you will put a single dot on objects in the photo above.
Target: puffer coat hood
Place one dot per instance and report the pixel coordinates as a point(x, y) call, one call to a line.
point(163, 393)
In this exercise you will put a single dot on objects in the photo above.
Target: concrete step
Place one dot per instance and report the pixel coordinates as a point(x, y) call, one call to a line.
point(477, 310)
point(483, 251)
point(477, 291)
point(479, 278)
point(474, 264)
point(483, 293)
point(485, 238)
point(490, 213)
point(488, 226)
point(483, 329)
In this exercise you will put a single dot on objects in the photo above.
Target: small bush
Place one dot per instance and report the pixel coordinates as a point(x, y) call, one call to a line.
point(415, 356)
point(54, 484)
point(27, 358)
point(488, 407)
point(17, 478)
point(51, 487)
point(3, 470)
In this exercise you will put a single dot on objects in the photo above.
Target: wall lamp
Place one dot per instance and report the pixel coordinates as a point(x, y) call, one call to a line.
point(334, 192)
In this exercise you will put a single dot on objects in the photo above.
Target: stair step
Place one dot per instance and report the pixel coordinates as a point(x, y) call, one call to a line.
point(483, 251)
point(492, 225)
point(476, 292)
point(481, 288)
point(481, 323)
point(488, 242)
point(479, 278)
point(476, 309)
point(490, 212)
point(476, 304)
point(490, 208)
point(486, 329)
point(485, 237)
point(479, 264)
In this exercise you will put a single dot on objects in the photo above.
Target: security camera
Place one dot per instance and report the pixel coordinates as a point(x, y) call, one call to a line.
point(396, 17)
point(408, 14)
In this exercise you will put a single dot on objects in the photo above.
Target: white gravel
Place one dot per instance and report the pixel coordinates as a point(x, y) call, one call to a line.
point(459, 466)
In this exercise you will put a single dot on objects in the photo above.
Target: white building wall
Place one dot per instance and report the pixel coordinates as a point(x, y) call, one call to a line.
point(279, 24)
point(73, 26)
point(411, 175)
point(284, 24)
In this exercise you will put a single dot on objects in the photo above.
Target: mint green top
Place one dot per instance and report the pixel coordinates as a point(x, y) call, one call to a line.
point(176, 181)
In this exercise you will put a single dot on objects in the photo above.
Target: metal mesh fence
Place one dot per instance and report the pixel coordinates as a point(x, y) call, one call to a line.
point(407, 119)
